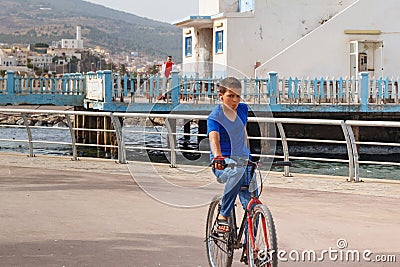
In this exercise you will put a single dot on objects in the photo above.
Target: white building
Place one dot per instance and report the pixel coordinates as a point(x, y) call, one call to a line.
point(294, 38)
point(8, 61)
point(41, 60)
point(19, 53)
point(73, 43)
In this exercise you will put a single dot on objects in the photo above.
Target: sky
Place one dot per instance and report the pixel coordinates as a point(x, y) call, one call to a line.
point(161, 10)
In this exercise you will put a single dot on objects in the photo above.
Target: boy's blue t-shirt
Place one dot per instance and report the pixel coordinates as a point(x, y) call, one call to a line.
point(234, 143)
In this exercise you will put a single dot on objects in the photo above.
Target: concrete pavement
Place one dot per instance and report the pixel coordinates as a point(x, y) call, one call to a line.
point(57, 212)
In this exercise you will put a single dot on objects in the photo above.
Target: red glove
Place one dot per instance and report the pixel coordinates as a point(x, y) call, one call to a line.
point(219, 163)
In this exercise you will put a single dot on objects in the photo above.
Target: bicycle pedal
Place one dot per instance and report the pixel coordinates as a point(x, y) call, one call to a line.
point(219, 235)
point(244, 259)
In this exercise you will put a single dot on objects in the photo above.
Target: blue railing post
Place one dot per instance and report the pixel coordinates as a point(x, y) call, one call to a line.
point(53, 85)
point(132, 81)
point(273, 81)
point(125, 84)
point(364, 91)
point(108, 85)
point(296, 89)
point(10, 82)
point(64, 84)
point(175, 86)
point(151, 89)
point(386, 91)
point(341, 88)
point(289, 86)
point(185, 88)
point(159, 82)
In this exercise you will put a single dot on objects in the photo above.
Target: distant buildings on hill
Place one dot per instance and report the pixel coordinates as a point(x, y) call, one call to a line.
point(71, 43)
point(68, 55)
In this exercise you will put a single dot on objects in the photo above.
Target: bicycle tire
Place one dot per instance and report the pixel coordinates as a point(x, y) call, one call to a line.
point(219, 250)
point(265, 253)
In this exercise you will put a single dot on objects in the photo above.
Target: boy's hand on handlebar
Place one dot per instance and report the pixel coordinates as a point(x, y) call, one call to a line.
point(219, 163)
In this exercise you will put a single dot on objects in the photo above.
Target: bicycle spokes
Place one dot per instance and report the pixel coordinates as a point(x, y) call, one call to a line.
point(262, 243)
point(219, 245)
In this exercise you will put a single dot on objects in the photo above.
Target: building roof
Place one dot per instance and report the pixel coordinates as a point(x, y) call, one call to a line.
point(194, 21)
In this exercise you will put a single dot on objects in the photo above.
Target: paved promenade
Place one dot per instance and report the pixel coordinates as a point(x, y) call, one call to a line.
point(57, 212)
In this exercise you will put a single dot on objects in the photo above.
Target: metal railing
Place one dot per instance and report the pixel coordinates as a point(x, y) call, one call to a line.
point(171, 134)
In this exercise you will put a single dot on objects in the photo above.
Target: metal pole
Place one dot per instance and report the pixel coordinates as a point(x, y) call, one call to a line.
point(355, 153)
point(73, 139)
point(285, 147)
point(171, 128)
point(120, 139)
point(349, 150)
point(28, 130)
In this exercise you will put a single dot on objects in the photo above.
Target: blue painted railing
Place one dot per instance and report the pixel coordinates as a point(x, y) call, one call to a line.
point(142, 93)
point(280, 94)
point(66, 90)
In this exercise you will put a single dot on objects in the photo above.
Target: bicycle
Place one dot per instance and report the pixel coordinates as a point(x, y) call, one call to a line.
point(259, 244)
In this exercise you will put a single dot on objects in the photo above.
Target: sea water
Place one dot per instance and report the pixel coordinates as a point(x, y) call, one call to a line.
point(137, 136)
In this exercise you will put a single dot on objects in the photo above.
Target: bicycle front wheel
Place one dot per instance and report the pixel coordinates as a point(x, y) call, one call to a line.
point(264, 250)
point(219, 246)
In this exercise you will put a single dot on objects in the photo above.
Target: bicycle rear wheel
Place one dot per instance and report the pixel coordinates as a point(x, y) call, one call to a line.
point(219, 246)
point(264, 252)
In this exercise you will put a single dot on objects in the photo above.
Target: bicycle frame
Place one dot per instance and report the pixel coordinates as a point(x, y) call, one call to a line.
point(254, 201)
point(246, 217)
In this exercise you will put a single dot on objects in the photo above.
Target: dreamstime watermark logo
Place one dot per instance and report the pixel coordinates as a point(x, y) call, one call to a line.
point(340, 253)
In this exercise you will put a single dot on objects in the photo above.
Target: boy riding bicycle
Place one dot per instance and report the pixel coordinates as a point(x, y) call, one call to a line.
point(226, 129)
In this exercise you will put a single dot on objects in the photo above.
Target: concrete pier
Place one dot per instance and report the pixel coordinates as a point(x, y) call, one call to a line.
point(58, 212)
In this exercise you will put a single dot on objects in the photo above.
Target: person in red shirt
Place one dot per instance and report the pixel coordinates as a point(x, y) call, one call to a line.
point(165, 72)
point(167, 67)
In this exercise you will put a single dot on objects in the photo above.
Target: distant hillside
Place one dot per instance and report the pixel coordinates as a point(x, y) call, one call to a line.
point(32, 21)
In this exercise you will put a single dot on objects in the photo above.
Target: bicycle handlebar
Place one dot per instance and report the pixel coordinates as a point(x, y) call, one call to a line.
point(256, 164)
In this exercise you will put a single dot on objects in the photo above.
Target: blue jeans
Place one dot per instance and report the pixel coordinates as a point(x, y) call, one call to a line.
point(234, 178)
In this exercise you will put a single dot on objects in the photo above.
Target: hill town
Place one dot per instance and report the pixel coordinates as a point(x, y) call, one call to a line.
point(44, 36)
point(70, 56)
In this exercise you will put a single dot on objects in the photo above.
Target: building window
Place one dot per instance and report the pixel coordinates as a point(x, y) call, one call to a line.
point(219, 41)
point(246, 5)
point(188, 46)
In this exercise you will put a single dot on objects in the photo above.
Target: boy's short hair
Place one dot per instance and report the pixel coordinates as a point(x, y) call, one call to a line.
point(230, 83)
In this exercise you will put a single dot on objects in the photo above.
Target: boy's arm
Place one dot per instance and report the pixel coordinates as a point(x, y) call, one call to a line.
point(214, 143)
point(219, 161)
